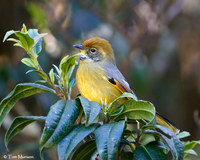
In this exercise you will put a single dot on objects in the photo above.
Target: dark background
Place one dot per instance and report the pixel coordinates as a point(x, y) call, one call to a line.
point(156, 44)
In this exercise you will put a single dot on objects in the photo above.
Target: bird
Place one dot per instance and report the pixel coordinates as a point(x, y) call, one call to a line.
point(98, 78)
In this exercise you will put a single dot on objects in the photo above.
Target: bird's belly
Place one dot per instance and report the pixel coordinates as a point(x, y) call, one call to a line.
point(95, 88)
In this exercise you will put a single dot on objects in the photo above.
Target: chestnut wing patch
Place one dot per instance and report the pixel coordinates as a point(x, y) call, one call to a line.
point(120, 86)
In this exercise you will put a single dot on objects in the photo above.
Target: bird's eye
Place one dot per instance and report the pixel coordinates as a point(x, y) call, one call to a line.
point(93, 50)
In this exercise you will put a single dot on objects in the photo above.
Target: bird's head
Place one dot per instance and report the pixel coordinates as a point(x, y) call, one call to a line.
point(96, 50)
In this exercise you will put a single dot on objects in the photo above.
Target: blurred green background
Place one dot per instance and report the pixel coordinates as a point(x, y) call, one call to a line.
point(156, 44)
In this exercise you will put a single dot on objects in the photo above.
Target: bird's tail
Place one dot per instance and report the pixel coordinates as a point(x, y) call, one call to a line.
point(161, 120)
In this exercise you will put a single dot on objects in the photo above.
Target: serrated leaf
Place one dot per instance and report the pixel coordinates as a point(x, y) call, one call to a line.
point(26, 41)
point(77, 134)
point(108, 138)
point(137, 110)
point(51, 75)
point(91, 110)
point(29, 62)
point(59, 122)
point(20, 91)
point(9, 33)
point(149, 153)
point(18, 124)
point(85, 151)
point(41, 74)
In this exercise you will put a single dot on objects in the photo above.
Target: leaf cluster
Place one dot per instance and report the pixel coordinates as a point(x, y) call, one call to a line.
point(83, 129)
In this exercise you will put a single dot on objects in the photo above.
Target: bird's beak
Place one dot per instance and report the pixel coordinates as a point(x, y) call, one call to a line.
point(82, 49)
point(79, 46)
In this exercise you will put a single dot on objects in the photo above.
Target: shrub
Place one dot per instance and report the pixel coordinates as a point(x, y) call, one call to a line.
point(84, 129)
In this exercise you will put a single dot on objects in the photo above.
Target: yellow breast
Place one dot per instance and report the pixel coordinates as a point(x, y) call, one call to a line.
point(93, 86)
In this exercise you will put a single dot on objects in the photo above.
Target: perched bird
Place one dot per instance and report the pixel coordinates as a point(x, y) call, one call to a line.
point(98, 78)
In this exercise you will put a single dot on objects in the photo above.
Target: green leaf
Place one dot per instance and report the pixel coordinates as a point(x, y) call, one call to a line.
point(190, 151)
point(146, 138)
point(66, 66)
point(129, 95)
point(178, 145)
point(24, 30)
point(59, 122)
point(126, 155)
point(63, 60)
point(41, 74)
point(179, 148)
point(9, 33)
point(13, 40)
point(20, 91)
point(51, 75)
point(117, 110)
point(77, 134)
point(57, 69)
point(19, 44)
point(85, 151)
point(18, 124)
point(108, 138)
point(183, 134)
point(72, 83)
point(29, 62)
point(91, 110)
point(70, 71)
point(26, 41)
point(190, 145)
point(137, 110)
point(33, 33)
point(175, 145)
point(149, 153)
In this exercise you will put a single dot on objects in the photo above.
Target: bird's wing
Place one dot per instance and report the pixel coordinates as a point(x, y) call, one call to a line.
point(114, 77)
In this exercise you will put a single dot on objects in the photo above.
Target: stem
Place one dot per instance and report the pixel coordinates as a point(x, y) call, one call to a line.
point(118, 152)
point(68, 95)
point(65, 89)
point(80, 117)
point(58, 92)
point(138, 135)
point(29, 53)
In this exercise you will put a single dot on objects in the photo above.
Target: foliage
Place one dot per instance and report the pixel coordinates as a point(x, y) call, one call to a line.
point(86, 130)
